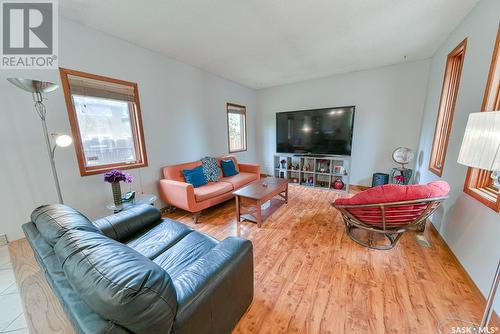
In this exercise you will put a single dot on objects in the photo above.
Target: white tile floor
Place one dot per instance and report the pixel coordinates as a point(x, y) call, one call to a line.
point(11, 311)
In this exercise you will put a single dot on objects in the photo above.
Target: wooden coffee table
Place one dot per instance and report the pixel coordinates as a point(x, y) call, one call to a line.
point(258, 193)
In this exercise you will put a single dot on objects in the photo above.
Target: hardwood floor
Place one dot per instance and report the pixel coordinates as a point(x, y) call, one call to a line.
point(42, 310)
point(311, 278)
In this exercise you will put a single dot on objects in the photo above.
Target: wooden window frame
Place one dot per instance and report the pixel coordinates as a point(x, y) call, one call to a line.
point(135, 117)
point(228, 106)
point(444, 119)
point(478, 181)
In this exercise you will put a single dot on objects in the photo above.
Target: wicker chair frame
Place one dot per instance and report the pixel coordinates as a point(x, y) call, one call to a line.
point(410, 215)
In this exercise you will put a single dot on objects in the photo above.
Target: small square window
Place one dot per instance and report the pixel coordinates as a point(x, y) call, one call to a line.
point(106, 122)
point(236, 126)
point(451, 83)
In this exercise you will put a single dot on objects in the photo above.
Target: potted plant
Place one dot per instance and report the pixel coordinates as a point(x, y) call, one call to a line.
point(115, 177)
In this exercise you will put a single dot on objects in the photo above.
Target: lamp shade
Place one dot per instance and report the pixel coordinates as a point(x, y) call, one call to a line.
point(33, 86)
point(481, 143)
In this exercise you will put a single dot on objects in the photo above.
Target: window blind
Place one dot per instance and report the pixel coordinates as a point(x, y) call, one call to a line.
point(101, 89)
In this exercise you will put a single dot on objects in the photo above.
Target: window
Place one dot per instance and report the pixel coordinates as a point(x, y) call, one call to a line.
point(236, 127)
point(451, 82)
point(479, 183)
point(105, 118)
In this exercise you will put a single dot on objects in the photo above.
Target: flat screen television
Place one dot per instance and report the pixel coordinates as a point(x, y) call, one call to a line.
point(315, 131)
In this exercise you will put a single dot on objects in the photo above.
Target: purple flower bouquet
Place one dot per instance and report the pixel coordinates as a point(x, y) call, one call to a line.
point(115, 177)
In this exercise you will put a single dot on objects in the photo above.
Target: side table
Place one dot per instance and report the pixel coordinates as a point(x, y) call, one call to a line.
point(139, 199)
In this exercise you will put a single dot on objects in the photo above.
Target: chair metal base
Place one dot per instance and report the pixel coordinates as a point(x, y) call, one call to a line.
point(392, 237)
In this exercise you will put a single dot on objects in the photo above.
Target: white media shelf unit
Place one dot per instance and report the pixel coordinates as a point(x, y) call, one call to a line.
point(313, 171)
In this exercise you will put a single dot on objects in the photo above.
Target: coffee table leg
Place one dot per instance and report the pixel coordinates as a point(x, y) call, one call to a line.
point(286, 194)
point(258, 212)
point(237, 208)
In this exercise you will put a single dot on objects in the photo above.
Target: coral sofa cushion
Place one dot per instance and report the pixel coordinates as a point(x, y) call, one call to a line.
point(395, 193)
point(210, 190)
point(240, 179)
point(175, 172)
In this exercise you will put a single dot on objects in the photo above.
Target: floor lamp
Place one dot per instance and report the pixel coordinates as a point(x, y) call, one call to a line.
point(481, 149)
point(37, 89)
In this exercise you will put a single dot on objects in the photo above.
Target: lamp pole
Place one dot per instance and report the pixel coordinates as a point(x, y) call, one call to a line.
point(488, 310)
point(42, 112)
point(37, 89)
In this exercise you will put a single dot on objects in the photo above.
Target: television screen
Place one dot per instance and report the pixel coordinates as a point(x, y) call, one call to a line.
point(316, 131)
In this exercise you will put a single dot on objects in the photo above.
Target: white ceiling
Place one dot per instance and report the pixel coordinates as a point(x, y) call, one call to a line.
point(263, 43)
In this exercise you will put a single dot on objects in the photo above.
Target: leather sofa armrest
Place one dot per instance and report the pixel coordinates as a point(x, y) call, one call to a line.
point(216, 290)
point(125, 224)
point(178, 194)
point(249, 168)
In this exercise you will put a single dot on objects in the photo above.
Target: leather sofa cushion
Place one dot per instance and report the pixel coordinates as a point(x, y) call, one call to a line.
point(216, 289)
point(212, 189)
point(126, 224)
point(240, 179)
point(53, 221)
point(117, 282)
point(181, 255)
point(159, 238)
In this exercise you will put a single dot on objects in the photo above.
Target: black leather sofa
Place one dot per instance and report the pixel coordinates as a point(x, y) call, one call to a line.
point(134, 272)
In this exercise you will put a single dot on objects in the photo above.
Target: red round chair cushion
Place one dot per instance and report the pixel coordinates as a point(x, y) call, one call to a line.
point(397, 193)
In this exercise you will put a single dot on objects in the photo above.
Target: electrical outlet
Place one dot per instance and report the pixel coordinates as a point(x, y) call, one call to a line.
point(3, 239)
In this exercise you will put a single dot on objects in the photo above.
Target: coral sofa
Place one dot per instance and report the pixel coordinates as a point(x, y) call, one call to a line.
point(175, 191)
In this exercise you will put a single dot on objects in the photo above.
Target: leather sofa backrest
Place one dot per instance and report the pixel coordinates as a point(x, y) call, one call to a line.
point(125, 224)
point(117, 282)
point(53, 221)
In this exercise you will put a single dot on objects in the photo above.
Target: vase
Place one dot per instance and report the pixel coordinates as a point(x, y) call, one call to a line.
point(117, 194)
point(338, 184)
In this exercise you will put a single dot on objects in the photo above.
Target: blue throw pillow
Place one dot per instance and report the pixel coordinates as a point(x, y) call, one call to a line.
point(195, 176)
point(228, 167)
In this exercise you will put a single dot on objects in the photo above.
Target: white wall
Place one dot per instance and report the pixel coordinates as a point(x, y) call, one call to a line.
point(389, 105)
point(471, 229)
point(184, 119)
